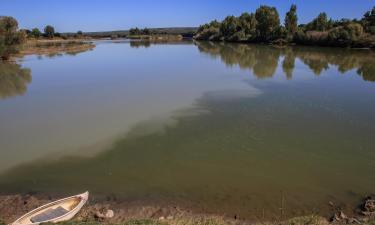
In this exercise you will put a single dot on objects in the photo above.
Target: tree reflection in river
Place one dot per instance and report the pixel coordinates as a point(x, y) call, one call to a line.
point(263, 60)
point(13, 80)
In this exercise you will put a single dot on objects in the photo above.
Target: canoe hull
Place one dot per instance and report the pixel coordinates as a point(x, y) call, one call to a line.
point(81, 199)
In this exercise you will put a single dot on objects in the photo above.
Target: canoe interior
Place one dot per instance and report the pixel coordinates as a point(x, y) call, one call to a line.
point(67, 204)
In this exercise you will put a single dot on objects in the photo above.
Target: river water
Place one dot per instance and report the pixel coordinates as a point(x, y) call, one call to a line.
point(251, 130)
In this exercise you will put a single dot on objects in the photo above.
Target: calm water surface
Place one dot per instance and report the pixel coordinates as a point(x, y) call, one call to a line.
point(224, 128)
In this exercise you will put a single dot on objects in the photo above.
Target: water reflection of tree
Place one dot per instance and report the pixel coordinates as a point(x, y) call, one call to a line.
point(367, 71)
point(13, 80)
point(258, 58)
point(263, 60)
point(139, 44)
point(150, 43)
point(288, 63)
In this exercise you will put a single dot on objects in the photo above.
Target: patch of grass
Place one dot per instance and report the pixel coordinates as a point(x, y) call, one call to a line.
point(306, 220)
point(130, 222)
point(144, 222)
point(369, 223)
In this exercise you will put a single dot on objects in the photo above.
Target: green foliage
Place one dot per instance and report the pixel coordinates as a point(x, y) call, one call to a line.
point(146, 31)
point(320, 23)
point(209, 31)
point(137, 31)
point(238, 36)
point(280, 33)
point(345, 35)
point(267, 22)
point(342, 22)
point(291, 20)
point(229, 27)
point(134, 31)
point(36, 33)
point(264, 26)
point(10, 37)
point(49, 31)
point(214, 24)
point(248, 23)
point(311, 37)
point(368, 21)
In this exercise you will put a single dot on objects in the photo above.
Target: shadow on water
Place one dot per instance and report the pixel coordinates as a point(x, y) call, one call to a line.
point(13, 80)
point(263, 60)
point(240, 158)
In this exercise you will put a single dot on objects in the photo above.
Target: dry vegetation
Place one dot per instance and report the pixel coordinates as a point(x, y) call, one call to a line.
point(55, 46)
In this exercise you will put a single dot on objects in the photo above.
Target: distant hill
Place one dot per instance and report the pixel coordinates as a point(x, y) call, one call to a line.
point(184, 31)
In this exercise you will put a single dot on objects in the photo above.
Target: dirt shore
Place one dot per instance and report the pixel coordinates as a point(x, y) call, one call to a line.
point(55, 46)
point(14, 206)
point(110, 211)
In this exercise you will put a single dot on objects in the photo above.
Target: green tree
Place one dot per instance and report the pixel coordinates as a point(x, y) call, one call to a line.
point(49, 31)
point(368, 21)
point(345, 35)
point(214, 24)
point(36, 33)
point(79, 33)
point(291, 20)
point(267, 21)
point(320, 23)
point(146, 31)
point(134, 31)
point(10, 37)
point(202, 27)
point(209, 31)
point(248, 23)
point(229, 26)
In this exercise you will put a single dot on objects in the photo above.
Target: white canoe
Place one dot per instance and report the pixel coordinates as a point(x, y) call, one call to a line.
point(60, 210)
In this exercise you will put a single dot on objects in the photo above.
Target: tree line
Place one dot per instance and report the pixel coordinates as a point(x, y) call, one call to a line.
point(264, 26)
point(12, 38)
point(137, 31)
point(49, 32)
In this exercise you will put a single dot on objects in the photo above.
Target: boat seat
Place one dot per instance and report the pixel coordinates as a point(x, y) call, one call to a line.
point(49, 214)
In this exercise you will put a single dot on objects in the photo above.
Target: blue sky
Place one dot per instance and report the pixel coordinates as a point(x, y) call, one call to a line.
point(103, 15)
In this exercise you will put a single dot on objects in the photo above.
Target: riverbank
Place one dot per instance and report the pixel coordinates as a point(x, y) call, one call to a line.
point(51, 47)
point(157, 37)
point(110, 211)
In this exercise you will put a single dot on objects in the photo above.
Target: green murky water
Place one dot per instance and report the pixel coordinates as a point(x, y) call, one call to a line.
point(251, 130)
